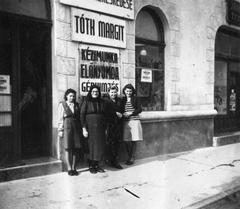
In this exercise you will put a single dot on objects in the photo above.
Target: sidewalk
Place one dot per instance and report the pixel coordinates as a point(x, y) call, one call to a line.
point(173, 181)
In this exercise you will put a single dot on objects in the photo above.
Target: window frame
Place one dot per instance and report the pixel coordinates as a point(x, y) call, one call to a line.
point(161, 47)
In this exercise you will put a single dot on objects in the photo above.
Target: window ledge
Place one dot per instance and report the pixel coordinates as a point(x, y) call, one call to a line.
point(175, 115)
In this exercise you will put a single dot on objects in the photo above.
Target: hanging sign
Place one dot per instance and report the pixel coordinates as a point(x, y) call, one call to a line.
point(89, 27)
point(233, 12)
point(98, 66)
point(120, 8)
point(4, 84)
point(146, 76)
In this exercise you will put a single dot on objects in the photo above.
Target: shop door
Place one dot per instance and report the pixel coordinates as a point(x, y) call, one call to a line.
point(227, 98)
point(25, 109)
point(33, 90)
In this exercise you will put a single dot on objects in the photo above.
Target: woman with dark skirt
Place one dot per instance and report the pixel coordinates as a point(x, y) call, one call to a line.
point(93, 126)
point(69, 128)
point(114, 124)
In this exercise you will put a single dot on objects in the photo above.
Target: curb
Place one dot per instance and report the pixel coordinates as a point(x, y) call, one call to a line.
point(218, 200)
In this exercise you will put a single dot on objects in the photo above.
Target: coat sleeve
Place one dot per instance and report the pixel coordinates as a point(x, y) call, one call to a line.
point(138, 107)
point(109, 109)
point(60, 117)
point(83, 113)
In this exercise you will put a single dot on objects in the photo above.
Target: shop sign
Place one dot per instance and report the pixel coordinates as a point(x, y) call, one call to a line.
point(233, 13)
point(98, 66)
point(94, 28)
point(4, 84)
point(120, 8)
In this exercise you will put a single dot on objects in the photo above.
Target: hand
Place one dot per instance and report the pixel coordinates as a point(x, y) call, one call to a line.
point(85, 133)
point(119, 114)
point(127, 114)
point(60, 134)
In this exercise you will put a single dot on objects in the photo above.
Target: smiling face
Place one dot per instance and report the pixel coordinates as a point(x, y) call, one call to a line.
point(71, 97)
point(113, 93)
point(95, 93)
point(128, 92)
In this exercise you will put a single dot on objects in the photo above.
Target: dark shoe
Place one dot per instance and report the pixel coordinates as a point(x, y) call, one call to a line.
point(127, 162)
point(100, 170)
point(93, 170)
point(131, 162)
point(75, 173)
point(70, 173)
point(116, 165)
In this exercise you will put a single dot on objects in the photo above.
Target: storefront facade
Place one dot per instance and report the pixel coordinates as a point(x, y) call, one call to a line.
point(171, 51)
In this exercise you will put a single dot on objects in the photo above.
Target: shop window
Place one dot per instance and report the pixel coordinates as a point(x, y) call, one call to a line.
point(149, 53)
point(220, 88)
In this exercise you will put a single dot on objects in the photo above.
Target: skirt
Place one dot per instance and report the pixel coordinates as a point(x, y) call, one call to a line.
point(96, 126)
point(132, 130)
point(71, 134)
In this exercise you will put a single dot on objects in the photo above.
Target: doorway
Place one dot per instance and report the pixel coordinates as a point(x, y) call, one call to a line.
point(26, 99)
point(33, 89)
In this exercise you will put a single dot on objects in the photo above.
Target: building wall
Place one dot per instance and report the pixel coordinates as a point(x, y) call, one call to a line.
point(190, 28)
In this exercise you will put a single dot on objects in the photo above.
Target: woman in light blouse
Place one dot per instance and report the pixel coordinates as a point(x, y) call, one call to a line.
point(69, 128)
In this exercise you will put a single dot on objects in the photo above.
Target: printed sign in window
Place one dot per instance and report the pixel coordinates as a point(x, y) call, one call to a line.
point(146, 76)
point(4, 84)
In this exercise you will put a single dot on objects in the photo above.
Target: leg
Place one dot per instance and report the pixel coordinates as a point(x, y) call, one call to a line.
point(68, 154)
point(98, 168)
point(91, 166)
point(115, 163)
point(129, 150)
point(134, 148)
point(74, 159)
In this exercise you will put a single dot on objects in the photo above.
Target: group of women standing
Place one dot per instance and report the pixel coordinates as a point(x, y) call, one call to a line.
point(101, 121)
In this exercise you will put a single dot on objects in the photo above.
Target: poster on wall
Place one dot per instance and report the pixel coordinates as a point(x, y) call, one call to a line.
point(120, 8)
point(94, 28)
point(4, 84)
point(98, 66)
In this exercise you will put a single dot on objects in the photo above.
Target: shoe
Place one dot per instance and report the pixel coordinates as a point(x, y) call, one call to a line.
point(131, 162)
point(100, 170)
point(70, 173)
point(93, 170)
point(127, 162)
point(116, 165)
point(75, 173)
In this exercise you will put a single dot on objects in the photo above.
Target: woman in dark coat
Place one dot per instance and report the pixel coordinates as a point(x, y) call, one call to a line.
point(69, 129)
point(114, 125)
point(94, 125)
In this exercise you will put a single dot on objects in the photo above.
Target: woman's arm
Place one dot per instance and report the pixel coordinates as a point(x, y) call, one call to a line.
point(60, 119)
point(137, 106)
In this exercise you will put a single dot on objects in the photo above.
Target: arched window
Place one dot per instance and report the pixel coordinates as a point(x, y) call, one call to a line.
point(149, 54)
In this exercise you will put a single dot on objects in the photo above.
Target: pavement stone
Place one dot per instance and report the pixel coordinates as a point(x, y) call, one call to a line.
point(173, 181)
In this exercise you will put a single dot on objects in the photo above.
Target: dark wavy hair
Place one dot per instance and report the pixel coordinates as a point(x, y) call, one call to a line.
point(129, 86)
point(89, 95)
point(68, 92)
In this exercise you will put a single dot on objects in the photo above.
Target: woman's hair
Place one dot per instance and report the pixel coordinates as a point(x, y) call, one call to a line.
point(68, 92)
point(89, 95)
point(113, 87)
point(129, 86)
